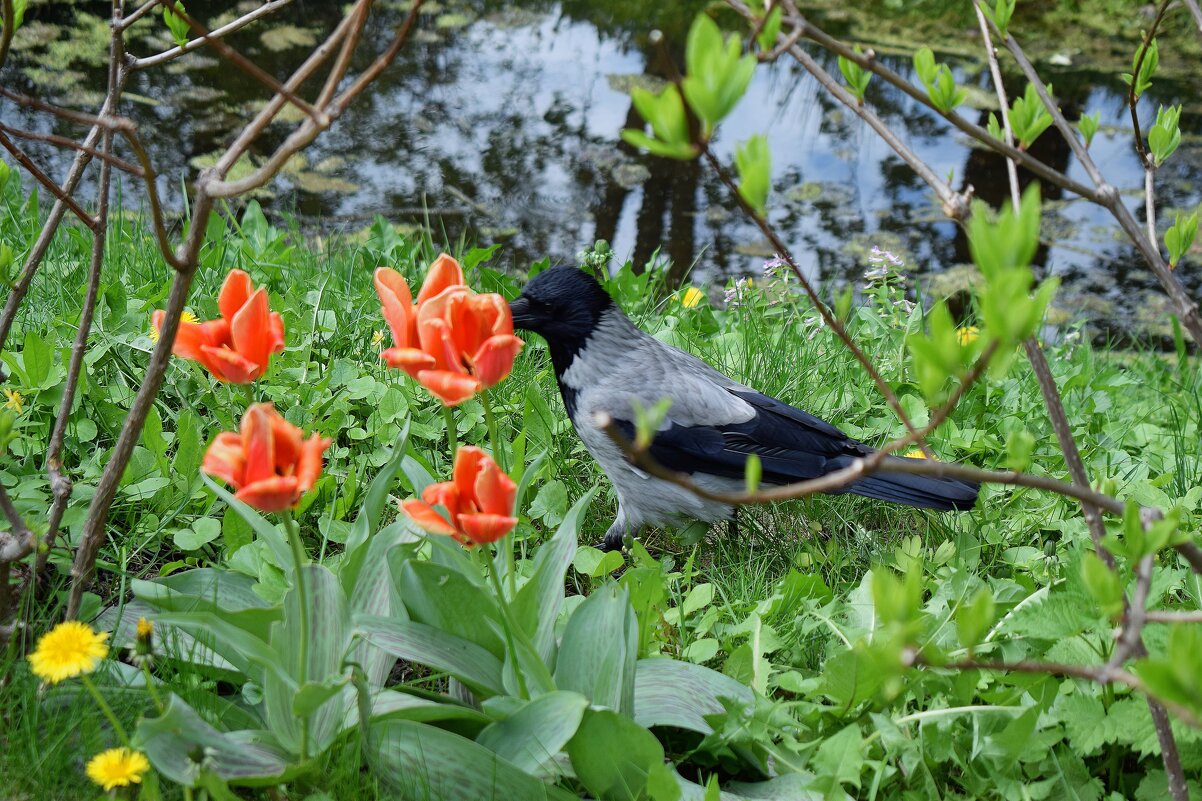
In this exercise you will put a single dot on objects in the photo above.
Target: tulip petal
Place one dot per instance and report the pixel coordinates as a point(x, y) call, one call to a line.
point(427, 518)
point(286, 441)
point(308, 466)
point(493, 491)
point(273, 494)
point(235, 291)
point(228, 366)
point(411, 360)
point(485, 528)
point(468, 462)
point(258, 443)
point(251, 332)
point(444, 272)
point(224, 459)
point(450, 388)
point(397, 305)
point(494, 361)
point(277, 332)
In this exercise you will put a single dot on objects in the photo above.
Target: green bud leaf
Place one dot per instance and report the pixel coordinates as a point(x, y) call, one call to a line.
point(1029, 117)
point(176, 24)
point(753, 471)
point(856, 76)
point(19, 7)
point(754, 163)
point(1165, 135)
point(994, 127)
point(1019, 447)
point(669, 125)
point(648, 421)
point(717, 73)
point(771, 30)
point(1180, 237)
point(1001, 13)
point(1103, 584)
point(974, 618)
point(1146, 68)
point(1088, 126)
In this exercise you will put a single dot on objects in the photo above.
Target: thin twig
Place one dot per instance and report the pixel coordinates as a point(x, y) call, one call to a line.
point(71, 144)
point(1003, 103)
point(45, 180)
point(138, 13)
point(1132, 98)
point(195, 44)
point(1169, 616)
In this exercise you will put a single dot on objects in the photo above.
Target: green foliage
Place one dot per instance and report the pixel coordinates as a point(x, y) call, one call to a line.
point(771, 29)
point(1165, 135)
point(1029, 117)
point(717, 73)
point(754, 162)
point(1088, 125)
point(1180, 236)
point(939, 82)
point(175, 22)
point(665, 113)
point(19, 7)
point(1000, 14)
point(1143, 67)
point(856, 76)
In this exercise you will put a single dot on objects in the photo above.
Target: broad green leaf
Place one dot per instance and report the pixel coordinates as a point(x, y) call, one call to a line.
point(274, 538)
point(440, 650)
point(172, 740)
point(668, 692)
point(531, 737)
point(598, 650)
point(368, 519)
point(427, 763)
point(612, 755)
point(444, 598)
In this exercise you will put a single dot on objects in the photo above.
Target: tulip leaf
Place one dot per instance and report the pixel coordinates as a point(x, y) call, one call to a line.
point(598, 650)
point(270, 534)
point(612, 755)
point(668, 692)
point(531, 737)
point(437, 649)
point(444, 598)
point(172, 739)
point(436, 765)
point(370, 511)
point(537, 604)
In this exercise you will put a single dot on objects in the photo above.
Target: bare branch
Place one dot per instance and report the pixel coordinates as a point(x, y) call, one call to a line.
point(17, 543)
point(1168, 750)
point(1003, 103)
point(195, 44)
point(137, 14)
point(1164, 616)
point(1132, 99)
point(45, 180)
point(71, 144)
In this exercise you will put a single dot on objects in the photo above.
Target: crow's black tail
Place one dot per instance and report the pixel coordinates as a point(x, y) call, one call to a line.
point(925, 492)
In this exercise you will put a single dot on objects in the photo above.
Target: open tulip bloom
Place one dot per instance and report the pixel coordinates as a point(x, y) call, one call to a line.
point(454, 342)
point(237, 346)
point(268, 462)
point(479, 501)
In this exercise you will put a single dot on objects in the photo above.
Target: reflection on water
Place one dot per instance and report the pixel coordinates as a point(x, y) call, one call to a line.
point(503, 124)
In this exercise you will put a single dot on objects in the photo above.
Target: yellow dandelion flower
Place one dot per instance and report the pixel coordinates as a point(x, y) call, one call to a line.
point(185, 317)
point(14, 400)
point(376, 338)
point(117, 767)
point(68, 650)
point(967, 335)
point(145, 628)
point(914, 453)
point(691, 297)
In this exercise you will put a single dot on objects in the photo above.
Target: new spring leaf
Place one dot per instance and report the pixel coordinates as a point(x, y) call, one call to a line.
point(939, 82)
point(1088, 126)
point(1165, 135)
point(176, 24)
point(1180, 237)
point(1145, 68)
point(718, 73)
point(1029, 117)
point(755, 172)
point(665, 114)
point(857, 77)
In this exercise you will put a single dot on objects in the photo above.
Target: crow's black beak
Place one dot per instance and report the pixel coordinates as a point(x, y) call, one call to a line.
point(519, 307)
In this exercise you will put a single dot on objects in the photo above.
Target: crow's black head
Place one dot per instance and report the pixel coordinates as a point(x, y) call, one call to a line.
point(563, 305)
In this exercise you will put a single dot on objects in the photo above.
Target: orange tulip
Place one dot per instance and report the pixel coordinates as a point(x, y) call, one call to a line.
point(479, 501)
point(237, 346)
point(269, 462)
point(453, 341)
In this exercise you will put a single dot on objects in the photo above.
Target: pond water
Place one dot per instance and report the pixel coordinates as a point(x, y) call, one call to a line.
point(502, 123)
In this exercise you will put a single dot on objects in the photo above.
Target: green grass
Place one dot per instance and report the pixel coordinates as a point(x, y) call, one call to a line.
point(1137, 416)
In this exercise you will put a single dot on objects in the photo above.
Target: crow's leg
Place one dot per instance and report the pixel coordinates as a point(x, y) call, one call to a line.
point(614, 537)
point(732, 525)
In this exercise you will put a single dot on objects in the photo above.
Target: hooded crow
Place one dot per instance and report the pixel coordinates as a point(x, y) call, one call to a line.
point(604, 364)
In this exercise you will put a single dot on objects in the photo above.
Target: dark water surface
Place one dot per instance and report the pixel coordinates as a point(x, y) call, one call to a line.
point(502, 123)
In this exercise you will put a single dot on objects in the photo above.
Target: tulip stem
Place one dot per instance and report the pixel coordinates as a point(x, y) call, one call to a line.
point(506, 624)
point(105, 709)
point(448, 414)
point(490, 420)
point(248, 390)
point(298, 559)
